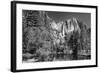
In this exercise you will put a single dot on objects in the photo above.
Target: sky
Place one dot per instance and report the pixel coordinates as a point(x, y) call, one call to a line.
point(60, 16)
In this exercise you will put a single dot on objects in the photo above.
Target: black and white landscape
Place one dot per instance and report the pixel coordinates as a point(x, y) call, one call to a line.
point(55, 36)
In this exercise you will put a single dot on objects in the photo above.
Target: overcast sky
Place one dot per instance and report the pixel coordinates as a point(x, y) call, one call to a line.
point(59, 16)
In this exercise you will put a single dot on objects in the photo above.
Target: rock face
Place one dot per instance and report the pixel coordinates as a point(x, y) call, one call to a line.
point(47, 40)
